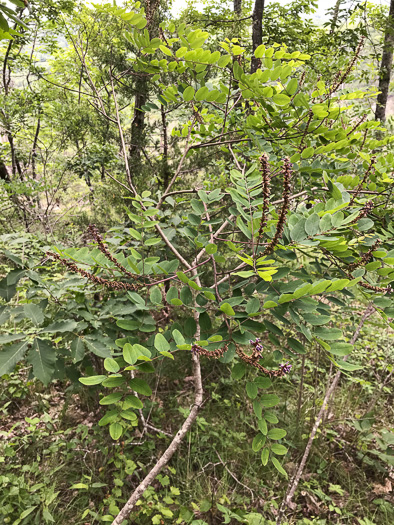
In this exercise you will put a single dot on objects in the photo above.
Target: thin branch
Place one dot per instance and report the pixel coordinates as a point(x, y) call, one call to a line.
point(215, 274)
point(120, 183)
point(222, 227)
point(172, 247)
point(233, 476)
point(39, 75)
point(126, 161)
point(83, 63)
point(208, 144)
point(287, 500)
point(173, 180)
point(175, 443)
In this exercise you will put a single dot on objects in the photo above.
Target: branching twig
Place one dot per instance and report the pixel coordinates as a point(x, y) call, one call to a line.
point(233, 476)
point(287, 500)
point(172, 448)
point(285, 207)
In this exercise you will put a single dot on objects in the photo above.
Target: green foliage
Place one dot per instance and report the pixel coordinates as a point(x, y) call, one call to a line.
point(267, 214)
point(9, 15)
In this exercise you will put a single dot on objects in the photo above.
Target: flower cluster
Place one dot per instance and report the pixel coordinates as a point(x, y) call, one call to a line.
point(287, 172)
point(265, 171)
point(211, 354)
point(252, 359)
point(285, 367)
point(101, 246)
point(365, 178)
point(114, 285)
point(365, 257)
point(364, 212)
point(256, 343)
point(195, 349)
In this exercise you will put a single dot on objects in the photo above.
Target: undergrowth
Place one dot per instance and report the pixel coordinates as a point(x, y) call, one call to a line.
point(57, 466)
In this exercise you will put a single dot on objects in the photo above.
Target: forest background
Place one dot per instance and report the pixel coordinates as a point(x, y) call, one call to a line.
point(196, 263)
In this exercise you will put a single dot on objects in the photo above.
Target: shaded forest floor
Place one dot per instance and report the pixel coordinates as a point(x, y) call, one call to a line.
point(58, 463)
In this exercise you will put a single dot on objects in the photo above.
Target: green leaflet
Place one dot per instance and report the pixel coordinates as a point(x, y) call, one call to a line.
point(111, 399)
point(276, 433)
point(161, 343)
point(269, 400)
point(258, 442)
point(227, 309)
point(262, 424)
point(77, 349)
point(251, 390)
point(115, 430)
point(43, 358)
point(9, 283)
point(279, 467)
point(140, 386)
point(279, 450)
point(111, 365)
point(35, 313)
point(188, 94)
point(60, 326)
point(265, 456)
point(92, 380)
point(11, 355)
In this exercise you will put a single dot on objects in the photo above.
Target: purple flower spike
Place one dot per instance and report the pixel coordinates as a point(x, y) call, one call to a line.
point(286, 367)
point(251, 341)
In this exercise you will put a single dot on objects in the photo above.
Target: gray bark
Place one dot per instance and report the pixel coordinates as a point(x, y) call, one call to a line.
point(257, 32)
point(385, 67)
point(172, 448)
point(335, 16)
point(4, 172)
point(237, 7)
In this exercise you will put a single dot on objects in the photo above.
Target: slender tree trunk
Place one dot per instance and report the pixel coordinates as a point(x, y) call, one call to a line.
point(257, 32)
point(165, 177)
point(34, 149)
point(19, 206)
point(385, 67)
point(335, 15)
point(138, 123)
point(16, 167)
point(6, 71)
point(237, 13)
point(141, 87)
point(175, 443)
point(4, 175)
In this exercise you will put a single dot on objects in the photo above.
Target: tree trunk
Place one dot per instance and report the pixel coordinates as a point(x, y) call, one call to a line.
point(141, 87)
point(138, 124)
point(34, 149)
point(385, 67)
point(257, 32)
point(335, 15)
point(237, 13)
point(4, 172)
point(16, 167)
point(165, 171)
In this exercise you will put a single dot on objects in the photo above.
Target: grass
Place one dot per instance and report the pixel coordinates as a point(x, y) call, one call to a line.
point(65, 465)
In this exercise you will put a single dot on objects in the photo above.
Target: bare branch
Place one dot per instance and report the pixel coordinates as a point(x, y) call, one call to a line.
point(287, 500)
